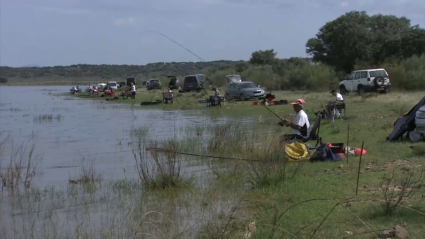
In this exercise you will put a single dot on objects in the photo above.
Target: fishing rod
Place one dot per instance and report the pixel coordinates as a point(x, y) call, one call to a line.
point(201, 155)
point(271, 111)
point(175, 42)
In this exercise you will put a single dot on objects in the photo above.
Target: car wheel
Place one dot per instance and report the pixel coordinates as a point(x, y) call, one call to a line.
point(343, 90)
point(379, 81)
point(360, 90)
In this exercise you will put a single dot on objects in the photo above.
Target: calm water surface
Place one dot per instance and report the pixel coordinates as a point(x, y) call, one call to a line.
point(82, 128)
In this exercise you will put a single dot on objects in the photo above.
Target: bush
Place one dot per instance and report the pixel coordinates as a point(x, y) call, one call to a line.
point(294, 75)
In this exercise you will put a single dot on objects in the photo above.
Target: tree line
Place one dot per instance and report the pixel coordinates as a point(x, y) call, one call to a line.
point(112, 71)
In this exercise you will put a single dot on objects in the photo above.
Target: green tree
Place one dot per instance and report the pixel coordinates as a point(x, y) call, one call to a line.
point(386, 35)
point(413, 42)
point(266, 57)
point(341, 42)
point(356, 37)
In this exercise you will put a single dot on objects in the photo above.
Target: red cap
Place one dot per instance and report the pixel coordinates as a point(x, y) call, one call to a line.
point(298, 102)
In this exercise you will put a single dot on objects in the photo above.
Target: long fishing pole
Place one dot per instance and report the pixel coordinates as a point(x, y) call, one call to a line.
point(271, 111)
point(201, 155)
point(176, 43)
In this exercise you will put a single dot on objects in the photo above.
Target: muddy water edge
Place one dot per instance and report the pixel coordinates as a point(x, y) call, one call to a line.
point(81, 161)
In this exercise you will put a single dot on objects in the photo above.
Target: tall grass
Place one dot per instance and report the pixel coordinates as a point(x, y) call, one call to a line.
point(20, 168)
point(158, 169)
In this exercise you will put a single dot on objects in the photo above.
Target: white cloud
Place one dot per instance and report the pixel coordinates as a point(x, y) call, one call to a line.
point(343, 4)
point(125, 21)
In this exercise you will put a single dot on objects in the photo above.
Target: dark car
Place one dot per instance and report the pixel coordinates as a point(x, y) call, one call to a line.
point(174, 83)
point(194, 82)
point(153, 84)
point(131, 80)
point(122, 83)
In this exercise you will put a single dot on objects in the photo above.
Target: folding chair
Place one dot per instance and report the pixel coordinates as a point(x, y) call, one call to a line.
point(336, 110)
point(314, 131)
point(167, 96)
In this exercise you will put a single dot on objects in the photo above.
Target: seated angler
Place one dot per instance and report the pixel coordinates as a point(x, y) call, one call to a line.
point(339, 100)
point(301, 124)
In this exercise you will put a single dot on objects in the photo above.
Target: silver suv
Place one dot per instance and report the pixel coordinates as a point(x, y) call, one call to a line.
point(244, 90)
point(365, 81)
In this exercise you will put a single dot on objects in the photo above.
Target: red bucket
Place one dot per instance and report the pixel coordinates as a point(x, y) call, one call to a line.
point(255, 103)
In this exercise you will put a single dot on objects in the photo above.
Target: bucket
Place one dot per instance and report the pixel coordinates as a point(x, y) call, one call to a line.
point(255, 103)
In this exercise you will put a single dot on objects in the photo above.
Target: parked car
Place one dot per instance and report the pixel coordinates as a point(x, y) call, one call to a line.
point(365, 81)
point(174, 83)
point(131, 80)
point(194, 82)
point(75, 89)
point(113, 85)
point(153, 84)
point(233, 78)
point(100, 86)
point(244, 90)
point(122, 83)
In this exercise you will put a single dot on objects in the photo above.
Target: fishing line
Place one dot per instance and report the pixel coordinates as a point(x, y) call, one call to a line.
point(200, 155)
point(174, 42)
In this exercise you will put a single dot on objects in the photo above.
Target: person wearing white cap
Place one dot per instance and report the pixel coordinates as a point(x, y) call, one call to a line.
point(301, 124)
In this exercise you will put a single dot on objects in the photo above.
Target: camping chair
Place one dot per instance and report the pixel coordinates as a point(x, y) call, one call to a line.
point(167, 96)
point(337, 109)
point(214, 101)
point(314, 131)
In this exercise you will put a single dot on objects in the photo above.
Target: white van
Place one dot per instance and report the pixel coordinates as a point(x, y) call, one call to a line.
point(366, 80)
point(113, 85)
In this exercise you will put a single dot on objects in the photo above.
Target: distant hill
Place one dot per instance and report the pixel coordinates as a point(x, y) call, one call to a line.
point(85, 73)
point(157, 69)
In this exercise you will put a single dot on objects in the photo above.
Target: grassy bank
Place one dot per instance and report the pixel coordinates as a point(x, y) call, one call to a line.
point(204, 197)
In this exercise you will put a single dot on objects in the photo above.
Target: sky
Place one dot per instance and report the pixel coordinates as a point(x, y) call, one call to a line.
point(66, 32)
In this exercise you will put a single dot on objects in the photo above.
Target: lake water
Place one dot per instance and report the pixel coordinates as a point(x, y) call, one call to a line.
point(68, 131)
point(82, 128)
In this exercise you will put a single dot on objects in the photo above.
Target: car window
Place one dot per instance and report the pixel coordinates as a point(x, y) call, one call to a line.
point(190, 79)
point(351, 77)
point(358, 75)
point(364, 74)
point(248, 85)
point(378, 73)
point(201, 78)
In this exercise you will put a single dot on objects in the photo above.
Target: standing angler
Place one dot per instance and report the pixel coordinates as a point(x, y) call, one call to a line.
point(133, 90)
